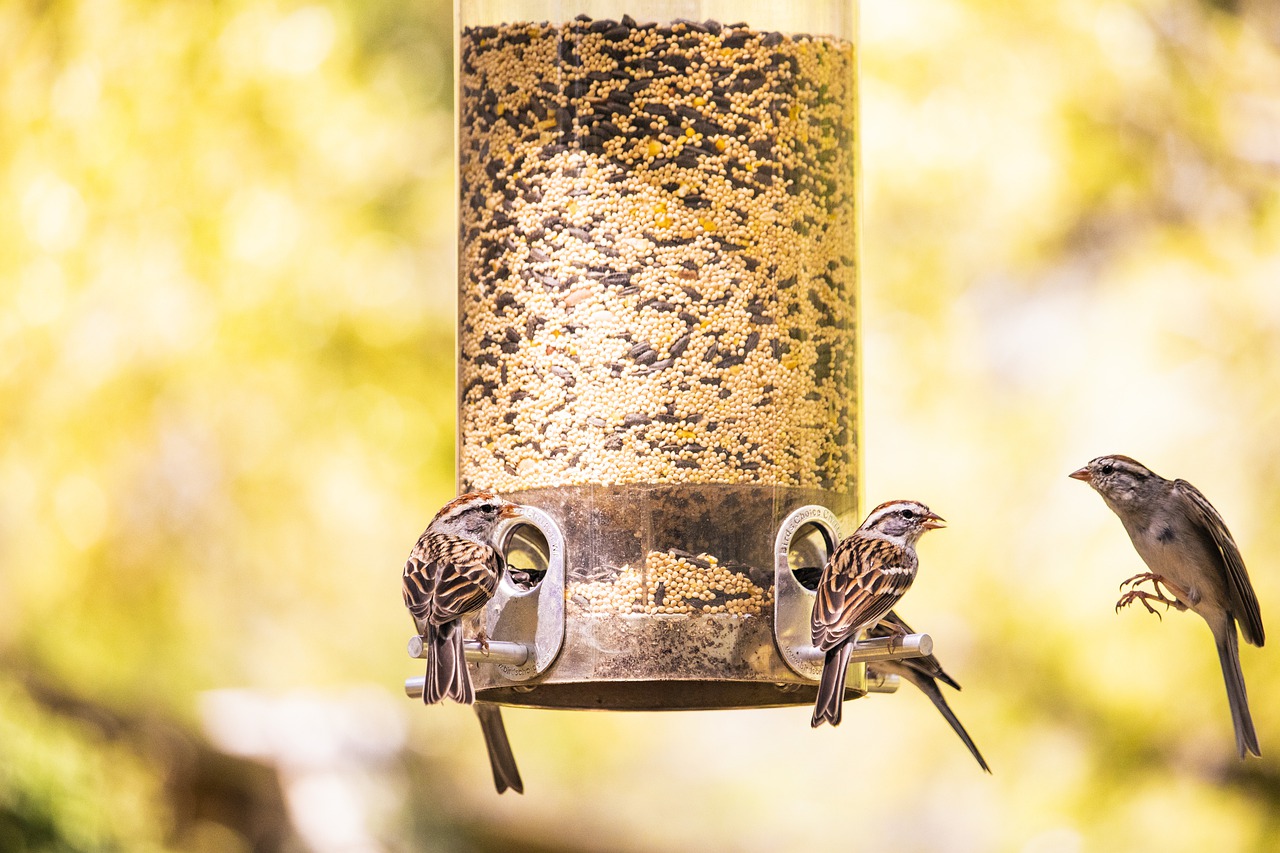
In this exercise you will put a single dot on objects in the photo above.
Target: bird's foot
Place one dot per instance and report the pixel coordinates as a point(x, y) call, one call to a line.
point(1157, 594)
point(1145, 598)
point(896, 634)
point(1140, 578)
point(483, 639)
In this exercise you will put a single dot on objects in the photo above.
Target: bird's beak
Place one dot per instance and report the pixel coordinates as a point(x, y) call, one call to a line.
point(933, 521)
point(1082, 474)
point(510, 511)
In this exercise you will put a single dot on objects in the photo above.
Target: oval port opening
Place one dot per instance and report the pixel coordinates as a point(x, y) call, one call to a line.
point(808, 552)
point(527, 554)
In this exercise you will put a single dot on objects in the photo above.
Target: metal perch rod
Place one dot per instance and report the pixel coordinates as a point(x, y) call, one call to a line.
point(500, 651)
point(513, 654)
point(864, 651)
point(878, 648)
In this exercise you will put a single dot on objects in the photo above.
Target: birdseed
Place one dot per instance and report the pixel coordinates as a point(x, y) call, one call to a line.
point(657, 258)
point(673, 582)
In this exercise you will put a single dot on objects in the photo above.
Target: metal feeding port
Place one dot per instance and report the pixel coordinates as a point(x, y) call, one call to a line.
point(524, 622)
point(804, 544)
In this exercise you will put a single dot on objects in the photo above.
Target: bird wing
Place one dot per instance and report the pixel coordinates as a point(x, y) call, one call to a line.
point(928, 665)
point(1244, 603)
point(864, 578)
point(446, 578)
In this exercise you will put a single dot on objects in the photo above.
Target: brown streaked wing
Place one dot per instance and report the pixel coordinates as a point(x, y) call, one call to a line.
point(1244, 602)
point(417, 580)
point(447, 578)
point(864, 578)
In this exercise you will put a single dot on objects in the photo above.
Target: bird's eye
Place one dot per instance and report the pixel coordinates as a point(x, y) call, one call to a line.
point(1108, 468)
point(488, 508)
point(908, 513)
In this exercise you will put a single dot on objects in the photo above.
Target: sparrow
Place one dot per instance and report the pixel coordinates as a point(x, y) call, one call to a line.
point(925, 673)
point(501, 760)
point(866, 575)
point(1189, 551)
point(452, 572)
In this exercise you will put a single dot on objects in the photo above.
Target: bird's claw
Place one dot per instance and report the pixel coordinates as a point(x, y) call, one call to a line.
point(1145, 598)
point(1157, 594)
point(1139, 578)
point(896, 636)
point(483, 639)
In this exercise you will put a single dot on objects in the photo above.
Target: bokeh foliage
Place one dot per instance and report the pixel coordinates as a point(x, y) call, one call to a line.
point(226, 410)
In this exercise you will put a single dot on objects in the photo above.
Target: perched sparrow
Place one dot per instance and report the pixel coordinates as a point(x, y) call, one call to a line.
point(452, 572)
point(864, 578)
point(1190, 552)
point(925, 673)
point(505, 773)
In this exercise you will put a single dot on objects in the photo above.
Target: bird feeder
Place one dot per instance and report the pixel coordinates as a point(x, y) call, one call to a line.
point(658, 343)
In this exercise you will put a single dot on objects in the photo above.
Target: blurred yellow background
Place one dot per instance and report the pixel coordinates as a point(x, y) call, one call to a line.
point(226, 412)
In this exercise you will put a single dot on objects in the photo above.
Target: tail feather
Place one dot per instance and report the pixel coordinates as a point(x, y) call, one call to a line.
point(1229, 657)
point(830, 700)
point(501, 760)
point(930, 689)
point(447, 675)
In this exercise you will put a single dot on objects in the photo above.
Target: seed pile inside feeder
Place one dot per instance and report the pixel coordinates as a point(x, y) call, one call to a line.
point(657, 256)
point(673, 582)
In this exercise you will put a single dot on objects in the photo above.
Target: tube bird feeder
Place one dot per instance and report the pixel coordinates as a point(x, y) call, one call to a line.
point(658, 341)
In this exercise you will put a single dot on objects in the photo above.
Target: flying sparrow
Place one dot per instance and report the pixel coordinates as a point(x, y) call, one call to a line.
point(925, 673)
point(1186, 545)
point(501, 760)
point(863, 579)
point(452, 572)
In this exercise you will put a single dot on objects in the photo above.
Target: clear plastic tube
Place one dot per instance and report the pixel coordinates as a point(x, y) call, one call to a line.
point(658, 306)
